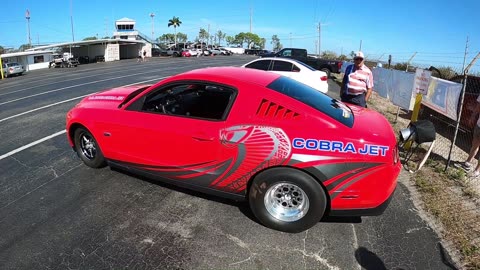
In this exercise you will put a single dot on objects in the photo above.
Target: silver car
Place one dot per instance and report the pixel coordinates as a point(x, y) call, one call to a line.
point(13, 68)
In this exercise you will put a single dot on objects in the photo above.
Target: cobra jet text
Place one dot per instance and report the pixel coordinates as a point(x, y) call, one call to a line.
point(341, 147)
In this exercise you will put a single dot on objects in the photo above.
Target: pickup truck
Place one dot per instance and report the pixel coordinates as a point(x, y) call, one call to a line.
point(327, 66)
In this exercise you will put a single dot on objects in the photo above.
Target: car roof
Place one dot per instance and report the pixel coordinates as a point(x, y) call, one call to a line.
point(256, 76)
point(279, 58)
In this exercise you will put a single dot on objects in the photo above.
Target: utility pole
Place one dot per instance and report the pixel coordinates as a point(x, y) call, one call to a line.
point(71, 20)
point(153, 32)
point(319, 38)
point(208, 34)
point(251, 14)
point(290, 39)
point(360, 45)
point(27, 16)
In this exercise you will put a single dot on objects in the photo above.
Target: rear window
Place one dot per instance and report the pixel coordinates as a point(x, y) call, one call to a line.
point(313, 98)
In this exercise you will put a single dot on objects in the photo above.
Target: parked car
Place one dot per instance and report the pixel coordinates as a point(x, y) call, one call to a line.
point(215, 51)
point(12, 69)
point(225, 51)
point(294, 153)
point(325, 65)
point(186, 53)
point(293, 69)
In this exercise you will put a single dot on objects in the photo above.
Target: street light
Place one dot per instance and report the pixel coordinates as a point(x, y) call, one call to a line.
point(27, 16)
point(153, 33)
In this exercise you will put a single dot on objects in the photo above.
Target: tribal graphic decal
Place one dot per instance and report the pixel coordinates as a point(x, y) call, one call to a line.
point(257, 147)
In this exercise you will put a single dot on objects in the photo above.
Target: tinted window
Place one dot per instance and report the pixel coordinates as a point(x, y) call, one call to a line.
point(261, 64)
point(313, 98)
point(287, 53)
point(197, 100)
point(282, 66)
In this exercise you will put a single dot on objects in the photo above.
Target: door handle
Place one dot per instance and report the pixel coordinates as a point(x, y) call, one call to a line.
point(203, 138)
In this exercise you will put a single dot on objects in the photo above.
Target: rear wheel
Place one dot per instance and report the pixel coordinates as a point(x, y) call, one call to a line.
point(88, 148)
point(287, 199)
point(326, 70)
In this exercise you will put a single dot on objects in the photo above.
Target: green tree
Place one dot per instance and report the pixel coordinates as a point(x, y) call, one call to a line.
point(329, 55)
point(90, 38)
point(262, 43)
point(167, 38)
point(446, 73)
point(24, 47)
point(181, 37)
point(220, 36)
point(175, 22)
point(352, 54)
point(342, 57)
point(230, 40)
point(203, 35)
point(276, 45)
point(106, 37)
point(400, 66)
point(2, 50)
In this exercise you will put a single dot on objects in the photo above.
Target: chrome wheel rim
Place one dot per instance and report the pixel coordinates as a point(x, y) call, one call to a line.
point(286, 202)
point(87, 145)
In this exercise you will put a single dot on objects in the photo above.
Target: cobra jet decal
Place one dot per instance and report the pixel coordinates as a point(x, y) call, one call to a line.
point(338, 146)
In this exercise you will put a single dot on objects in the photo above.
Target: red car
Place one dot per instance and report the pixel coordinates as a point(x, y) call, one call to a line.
point(293, 152)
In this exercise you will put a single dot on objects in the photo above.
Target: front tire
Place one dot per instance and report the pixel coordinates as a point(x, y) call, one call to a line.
point(287, 199)
point(88, 149)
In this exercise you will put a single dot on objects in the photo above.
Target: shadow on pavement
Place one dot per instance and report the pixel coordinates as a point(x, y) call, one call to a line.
point(369, 260)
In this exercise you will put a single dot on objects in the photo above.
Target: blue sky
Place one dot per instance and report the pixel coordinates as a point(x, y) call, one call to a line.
point(437, 30)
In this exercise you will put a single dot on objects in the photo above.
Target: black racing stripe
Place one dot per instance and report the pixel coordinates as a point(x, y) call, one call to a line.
point(335, 183)
point(139, 165)
point(351, 182)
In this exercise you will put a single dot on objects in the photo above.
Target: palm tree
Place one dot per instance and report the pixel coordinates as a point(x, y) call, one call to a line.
point(175, 22)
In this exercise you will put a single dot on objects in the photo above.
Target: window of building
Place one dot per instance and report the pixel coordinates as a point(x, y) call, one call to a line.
point(38, 59)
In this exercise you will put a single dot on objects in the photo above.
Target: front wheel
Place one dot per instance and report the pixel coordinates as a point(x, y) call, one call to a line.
point(287, 199)
point(88, 148)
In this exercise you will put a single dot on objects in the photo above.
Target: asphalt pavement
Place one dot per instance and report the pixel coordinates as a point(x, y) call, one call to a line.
point(56, 213)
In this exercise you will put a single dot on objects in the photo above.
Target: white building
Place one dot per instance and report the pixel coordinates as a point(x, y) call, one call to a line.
point(30, 60)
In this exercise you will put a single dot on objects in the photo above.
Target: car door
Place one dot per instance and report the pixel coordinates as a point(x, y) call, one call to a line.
point(173, 132)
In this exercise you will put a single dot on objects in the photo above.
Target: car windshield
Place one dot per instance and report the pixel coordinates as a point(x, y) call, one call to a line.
point(313, 98)
point(12, 64)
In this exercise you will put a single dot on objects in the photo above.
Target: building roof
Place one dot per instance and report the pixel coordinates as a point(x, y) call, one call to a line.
point(125, 19)
point(5, 55)
point(86, 42)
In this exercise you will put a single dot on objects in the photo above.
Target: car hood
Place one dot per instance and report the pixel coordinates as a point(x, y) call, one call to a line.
point(372, 126)
point(112, 97)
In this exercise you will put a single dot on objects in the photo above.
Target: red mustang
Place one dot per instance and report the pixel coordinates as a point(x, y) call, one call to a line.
point(293, 152)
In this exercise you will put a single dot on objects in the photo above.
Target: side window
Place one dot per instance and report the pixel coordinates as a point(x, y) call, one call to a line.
point(261, 64)
point(287, 53)
point(282, 66)
point(295, 68)
point(197, 100)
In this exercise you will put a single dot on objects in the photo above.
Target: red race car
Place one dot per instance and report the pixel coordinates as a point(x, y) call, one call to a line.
point(293, 152)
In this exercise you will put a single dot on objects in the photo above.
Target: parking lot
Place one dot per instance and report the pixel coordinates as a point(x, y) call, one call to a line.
point(56, 213)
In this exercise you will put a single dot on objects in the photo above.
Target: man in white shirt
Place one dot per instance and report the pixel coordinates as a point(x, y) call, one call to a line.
point(357, 82)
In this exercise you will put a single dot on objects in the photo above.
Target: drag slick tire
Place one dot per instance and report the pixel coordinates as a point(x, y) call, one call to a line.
point(88, 149)
point(287, 199)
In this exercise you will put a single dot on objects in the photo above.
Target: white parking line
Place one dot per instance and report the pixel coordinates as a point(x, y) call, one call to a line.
point(68, 100)
point(32, 144)
point(72, 86)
